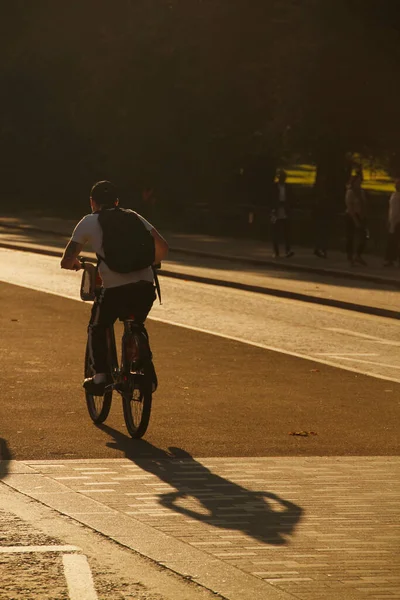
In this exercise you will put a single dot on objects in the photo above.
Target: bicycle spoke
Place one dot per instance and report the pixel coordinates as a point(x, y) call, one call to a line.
point(98, 406)
point(137, 406)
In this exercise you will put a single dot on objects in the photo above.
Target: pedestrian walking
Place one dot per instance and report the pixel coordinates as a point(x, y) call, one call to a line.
point(393, 243)
point(356, 225)
point(282, 201)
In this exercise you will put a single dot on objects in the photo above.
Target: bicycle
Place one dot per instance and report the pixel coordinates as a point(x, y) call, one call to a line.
point(132, 379)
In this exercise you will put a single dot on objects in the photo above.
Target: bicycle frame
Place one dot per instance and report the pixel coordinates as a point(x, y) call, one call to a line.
point(133, 378)
point(112, 349)
point(121, 373)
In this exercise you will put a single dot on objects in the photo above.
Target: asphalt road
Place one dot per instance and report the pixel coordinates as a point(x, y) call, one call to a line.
point(361, 343)
point(217, 396)
point(333, 290)
point(239, 373)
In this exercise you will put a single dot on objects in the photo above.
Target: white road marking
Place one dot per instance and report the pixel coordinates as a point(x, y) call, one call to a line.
point(76, 568)
point(79, 577)
point(371, 362)
point(340, 354)
point(26, 549)
point(41, 289)
point(363, 335)
point(309, 357)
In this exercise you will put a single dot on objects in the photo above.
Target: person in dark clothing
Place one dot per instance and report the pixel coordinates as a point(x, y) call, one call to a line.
point(321, 221)
point(393, 244)
point(280, 215)
point(322, 218)
point(121, 294)
point(356, 228)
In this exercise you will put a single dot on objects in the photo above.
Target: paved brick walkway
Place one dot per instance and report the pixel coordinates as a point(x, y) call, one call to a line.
point(311, 528)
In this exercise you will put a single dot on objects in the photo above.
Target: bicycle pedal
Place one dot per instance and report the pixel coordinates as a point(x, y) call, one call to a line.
point(138, 380)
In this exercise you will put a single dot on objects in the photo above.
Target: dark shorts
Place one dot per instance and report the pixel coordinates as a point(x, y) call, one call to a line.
point(133, 301)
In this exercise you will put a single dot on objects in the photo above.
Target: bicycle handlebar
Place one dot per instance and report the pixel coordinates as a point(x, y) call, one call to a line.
point(82, 260)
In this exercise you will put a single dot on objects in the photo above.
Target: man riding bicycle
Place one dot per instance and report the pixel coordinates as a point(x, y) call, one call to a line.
point(123, 294)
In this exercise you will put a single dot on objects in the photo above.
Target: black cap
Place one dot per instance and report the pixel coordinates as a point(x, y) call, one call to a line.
point(104, 193)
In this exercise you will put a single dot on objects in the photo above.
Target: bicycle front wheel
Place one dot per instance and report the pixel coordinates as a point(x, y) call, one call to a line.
point(137, 404)
point(98, 406)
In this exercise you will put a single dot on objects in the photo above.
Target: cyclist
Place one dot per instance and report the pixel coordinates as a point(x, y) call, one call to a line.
point(122, 294)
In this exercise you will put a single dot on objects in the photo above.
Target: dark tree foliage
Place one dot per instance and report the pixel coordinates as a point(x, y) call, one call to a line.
point(180, 95)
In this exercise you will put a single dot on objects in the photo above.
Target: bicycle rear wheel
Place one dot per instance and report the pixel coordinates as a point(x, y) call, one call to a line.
point(98, 406)
point(137, 404)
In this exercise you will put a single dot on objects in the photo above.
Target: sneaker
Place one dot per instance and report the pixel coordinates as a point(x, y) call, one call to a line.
point(289, 254)
point(138, 381)
point(96, 389)
point(275, 255)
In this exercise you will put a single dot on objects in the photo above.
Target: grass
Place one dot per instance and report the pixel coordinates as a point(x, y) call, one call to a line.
point(301, 175)
point(375, 181)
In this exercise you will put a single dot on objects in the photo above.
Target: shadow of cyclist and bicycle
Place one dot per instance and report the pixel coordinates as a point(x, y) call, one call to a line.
point(219, 502)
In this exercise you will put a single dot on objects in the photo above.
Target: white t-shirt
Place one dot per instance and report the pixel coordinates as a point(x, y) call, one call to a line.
point(89, 230)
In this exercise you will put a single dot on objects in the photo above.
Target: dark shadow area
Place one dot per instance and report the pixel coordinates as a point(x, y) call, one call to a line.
point(5, 457)
point(214, 253)
point(272, 278)
point(264, 516)
point(296, 272)
point(26, 235)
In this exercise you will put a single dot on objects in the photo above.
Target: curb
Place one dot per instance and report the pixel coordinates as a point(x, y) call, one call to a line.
point(33, 250)
point(246, 260)
point(223, 580)
point(369, 310)
point(291, 267)
point(361, 308)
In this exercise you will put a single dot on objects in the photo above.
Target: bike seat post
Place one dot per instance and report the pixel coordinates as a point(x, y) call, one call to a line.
point(129, 324)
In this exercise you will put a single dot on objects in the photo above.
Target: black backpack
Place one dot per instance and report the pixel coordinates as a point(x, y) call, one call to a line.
point(127, 244)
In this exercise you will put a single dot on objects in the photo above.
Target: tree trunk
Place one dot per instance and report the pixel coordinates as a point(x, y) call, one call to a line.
point(333, 172)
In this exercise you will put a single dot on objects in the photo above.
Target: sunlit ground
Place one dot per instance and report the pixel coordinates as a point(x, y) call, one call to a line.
point(374, 180)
